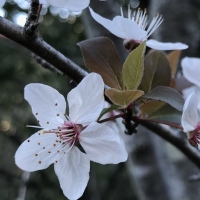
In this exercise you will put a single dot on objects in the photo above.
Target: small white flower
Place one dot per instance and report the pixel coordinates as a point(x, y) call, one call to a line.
point(71, 5)
point(191, 118)
point(61, 136)
point(191, 70)
point(133, 29)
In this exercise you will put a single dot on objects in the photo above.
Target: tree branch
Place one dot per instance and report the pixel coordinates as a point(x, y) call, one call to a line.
point(183, 145)
point(65, 65)
point(43, 50)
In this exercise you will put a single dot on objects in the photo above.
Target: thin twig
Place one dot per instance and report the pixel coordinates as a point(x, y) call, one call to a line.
point(183, 145)
point(30, 31)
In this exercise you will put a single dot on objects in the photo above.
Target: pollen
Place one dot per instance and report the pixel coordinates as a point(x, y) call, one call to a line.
point(28, 140)
point(40, 162)
point(38, 143)
point(36, 113)
point(47, 122)
point(56, 104)
point(36, 154)
point(43, 147)
point(54, 145)
point(49, 151)
point(57, 114)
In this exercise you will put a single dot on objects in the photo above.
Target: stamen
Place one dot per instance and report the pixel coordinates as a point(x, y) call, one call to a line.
point(33, 126)
point(157, 20)
point(129, 11)
point(121, 11)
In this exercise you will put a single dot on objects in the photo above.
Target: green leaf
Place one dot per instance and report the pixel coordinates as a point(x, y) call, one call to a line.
point(123, 98)
point(133, 67)
point(150, 107)
point(167, 113)
point(101, 56)
point(168, 95)
point(106, 110)
point(157, 71)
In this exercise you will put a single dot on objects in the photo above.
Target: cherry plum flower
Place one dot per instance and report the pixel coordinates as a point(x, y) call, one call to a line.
point(71, 5)
point(70, 142)
point(191, 69)
point(191, 118)
point(133, 29)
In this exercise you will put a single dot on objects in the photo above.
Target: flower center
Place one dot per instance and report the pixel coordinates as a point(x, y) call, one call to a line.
point(68, 133)
point(195, 136)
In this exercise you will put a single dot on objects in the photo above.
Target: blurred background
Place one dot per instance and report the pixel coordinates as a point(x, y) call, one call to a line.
point(155, 170)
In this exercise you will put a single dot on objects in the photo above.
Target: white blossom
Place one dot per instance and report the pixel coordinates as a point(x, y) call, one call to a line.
point(71, 5)
point(59, 140)
point(191, 118)
point(134, 29)
point(191, 70)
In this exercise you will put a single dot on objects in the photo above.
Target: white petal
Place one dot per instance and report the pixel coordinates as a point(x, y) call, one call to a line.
point(73, 173)
point(77, 5)
point(48, 105)
point(187, 91)
point(154, 44)
point(108, 24)
point(197, 92)
point(190, 114)
point(41, 1)
point(37, 152)
point(102, 144)
point(86, 101)
point(129, 29)
point(57, 3)
point(191, 69)
point(2, 2)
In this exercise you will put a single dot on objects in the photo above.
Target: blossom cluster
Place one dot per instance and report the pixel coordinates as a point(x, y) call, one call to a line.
point(70, 141)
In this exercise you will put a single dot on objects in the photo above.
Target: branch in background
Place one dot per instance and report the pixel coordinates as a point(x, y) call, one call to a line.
point(69, 68)
point(22, 188)
point(46, 65)
point(183, 145)
point(43, 50)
